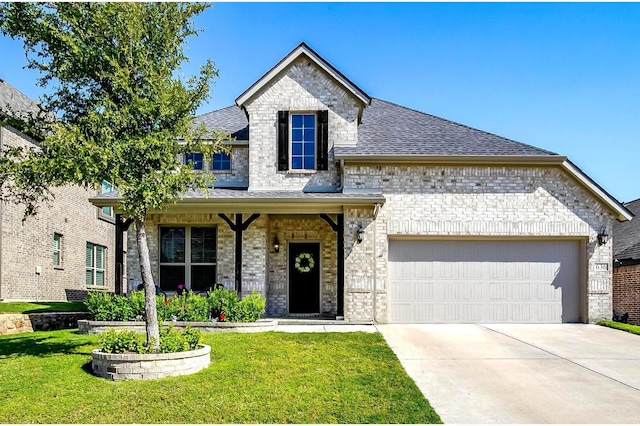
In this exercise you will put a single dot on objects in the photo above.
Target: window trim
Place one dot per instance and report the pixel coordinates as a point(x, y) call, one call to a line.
point(111, 217)
point(94, 268)
point(201, 161)
point(212, 169)
point(57, 250)
point(187, 264)
point(315, 142)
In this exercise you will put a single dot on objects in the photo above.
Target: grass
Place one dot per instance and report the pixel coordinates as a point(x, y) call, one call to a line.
point(253, 378)
point(39, 307)
point(635, 329)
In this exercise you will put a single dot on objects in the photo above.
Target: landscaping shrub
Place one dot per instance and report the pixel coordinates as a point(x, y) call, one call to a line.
point(190, 307)
point(118, 342)
point(220, 304)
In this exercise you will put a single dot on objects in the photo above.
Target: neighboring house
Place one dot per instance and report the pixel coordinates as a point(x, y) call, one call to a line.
point(626, 267)
point(335, 204)
point(66, 249)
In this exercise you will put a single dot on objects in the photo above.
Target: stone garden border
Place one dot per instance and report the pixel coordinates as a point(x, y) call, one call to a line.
point(149, 366)
point(97, 327)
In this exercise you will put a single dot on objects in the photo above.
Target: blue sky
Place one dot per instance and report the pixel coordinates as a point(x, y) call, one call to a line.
point(560, 76)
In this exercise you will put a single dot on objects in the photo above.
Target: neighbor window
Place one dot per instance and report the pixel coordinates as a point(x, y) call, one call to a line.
point(187, 256)
point(106, 211)
point(57, 249)
point(194, 158)
point(221, 161)
point(303, 141)
point(95, 269)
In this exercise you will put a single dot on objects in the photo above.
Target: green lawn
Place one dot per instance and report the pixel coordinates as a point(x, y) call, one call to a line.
point(253, 378)
point(39, 307)
point(635, 329)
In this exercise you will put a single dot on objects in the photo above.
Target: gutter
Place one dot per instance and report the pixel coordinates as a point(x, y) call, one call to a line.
point(453, 159)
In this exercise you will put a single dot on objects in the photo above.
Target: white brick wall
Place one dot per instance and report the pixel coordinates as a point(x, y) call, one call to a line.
point(303, 88)
point(459, 201)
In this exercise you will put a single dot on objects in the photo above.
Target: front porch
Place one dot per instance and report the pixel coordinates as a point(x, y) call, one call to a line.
point(296, 261)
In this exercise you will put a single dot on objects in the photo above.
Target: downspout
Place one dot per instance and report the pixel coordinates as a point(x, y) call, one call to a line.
point(376, 210)
point(341, 169)
point(1, 215)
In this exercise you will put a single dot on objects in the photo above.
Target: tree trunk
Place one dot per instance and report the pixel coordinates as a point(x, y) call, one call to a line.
point(151, 314)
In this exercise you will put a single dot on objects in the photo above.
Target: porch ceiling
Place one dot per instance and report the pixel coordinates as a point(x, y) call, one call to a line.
point(220, 200)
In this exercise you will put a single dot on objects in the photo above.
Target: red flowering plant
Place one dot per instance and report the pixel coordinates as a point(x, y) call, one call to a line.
point(222, 317)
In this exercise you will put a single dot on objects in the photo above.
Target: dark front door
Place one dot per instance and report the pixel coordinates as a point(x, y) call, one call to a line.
point(304, 278)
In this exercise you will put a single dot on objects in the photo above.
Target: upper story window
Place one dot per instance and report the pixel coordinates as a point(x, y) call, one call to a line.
point(194, 158)
point(303, 141)
point(221, 162)
point(106, 212)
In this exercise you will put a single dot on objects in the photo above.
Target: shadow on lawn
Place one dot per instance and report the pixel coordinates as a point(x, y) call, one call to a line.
point(41, 345)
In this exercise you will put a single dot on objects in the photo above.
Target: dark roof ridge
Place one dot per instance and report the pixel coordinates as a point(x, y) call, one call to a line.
point(464, 125)
point(632, 201)
point(216, 110)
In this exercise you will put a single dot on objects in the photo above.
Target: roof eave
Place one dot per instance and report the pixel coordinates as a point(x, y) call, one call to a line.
point(291, 205)
point(453, 159)
point(618, 208)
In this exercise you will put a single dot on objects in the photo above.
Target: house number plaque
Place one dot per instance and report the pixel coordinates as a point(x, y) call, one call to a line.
point(601, 267)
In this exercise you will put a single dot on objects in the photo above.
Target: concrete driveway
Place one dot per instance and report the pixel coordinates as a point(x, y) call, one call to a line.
point(568, 373)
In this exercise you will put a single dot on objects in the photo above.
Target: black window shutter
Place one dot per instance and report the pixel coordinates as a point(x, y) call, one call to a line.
point(283, 140)
point(322, 146)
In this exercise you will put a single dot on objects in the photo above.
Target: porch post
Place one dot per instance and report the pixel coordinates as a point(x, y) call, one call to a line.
point(338, 228)
point(121, 227)
point(340, 255)
point(238, 228)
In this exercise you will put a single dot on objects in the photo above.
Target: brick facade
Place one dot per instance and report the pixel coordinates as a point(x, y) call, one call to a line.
point(27, 245)
point(434, 201)
point(470, 201)
point(626, 292)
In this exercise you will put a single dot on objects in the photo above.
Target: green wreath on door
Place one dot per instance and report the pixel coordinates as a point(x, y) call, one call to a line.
point(304, 263)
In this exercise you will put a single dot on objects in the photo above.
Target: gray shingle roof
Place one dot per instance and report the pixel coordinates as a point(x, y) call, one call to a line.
point(626, 235)
point(15, 99)
point(390, 129)
point(231, 119)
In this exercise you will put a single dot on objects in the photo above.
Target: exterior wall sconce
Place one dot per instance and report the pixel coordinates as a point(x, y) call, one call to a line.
point(603, 237)
point(276, 245)
point(360, 235)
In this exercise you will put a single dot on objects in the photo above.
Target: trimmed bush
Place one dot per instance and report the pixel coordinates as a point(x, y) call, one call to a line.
point(219, 304)
point(118, 342)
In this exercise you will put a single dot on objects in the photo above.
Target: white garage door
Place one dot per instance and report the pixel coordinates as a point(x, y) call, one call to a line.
point(483, 281)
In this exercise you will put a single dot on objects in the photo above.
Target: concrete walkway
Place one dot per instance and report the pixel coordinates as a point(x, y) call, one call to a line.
point(327, 327)
point(569, 373)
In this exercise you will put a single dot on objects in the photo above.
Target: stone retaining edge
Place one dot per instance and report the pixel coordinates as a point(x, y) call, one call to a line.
point(97, 327)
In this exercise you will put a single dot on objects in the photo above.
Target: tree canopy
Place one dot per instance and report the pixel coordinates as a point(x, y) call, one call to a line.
point(117, 110)
point(122, 113)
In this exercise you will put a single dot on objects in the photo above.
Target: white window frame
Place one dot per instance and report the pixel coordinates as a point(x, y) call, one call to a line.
point(95, 269)
point(57, 250)
point(106, 213)
point(315, 141)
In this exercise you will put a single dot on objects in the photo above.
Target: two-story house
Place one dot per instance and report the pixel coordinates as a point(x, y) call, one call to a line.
point(63, 251)
point(334, 203)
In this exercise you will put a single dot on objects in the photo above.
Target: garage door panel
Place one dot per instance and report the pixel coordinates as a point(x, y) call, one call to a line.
point(484, 281)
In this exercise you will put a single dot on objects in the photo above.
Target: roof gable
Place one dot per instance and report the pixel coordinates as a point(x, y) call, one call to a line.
point(306, 51)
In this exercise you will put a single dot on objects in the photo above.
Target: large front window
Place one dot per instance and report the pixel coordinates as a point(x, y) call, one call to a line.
point(187, 256)
point(303, 141)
